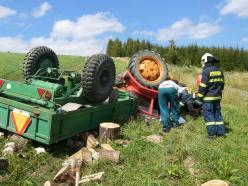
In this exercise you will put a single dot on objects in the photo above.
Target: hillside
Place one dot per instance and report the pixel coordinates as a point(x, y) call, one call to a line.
point(142, 162)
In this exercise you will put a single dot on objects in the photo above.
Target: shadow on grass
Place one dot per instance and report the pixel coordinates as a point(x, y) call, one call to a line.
point(58, 150)
point(227, 128)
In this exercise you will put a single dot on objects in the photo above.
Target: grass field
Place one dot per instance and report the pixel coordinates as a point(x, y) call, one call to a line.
point(142, 162)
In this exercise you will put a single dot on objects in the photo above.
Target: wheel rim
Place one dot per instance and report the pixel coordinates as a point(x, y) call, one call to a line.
point(46, 63)
point(150, 69)
point(104, 79)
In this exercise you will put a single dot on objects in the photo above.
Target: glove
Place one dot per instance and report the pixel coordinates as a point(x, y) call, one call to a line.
point(198, 101)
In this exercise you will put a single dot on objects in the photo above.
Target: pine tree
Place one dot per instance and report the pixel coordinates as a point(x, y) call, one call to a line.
point(230, 58)
point(109, 47)
point(172, 55)
point(117, 48)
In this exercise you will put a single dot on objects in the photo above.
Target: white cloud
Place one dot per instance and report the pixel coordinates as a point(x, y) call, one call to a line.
point(185, 29)
point(86, 26)
point(239, 7)
point(244, 40)
point(84, 47)
point(5, 11)
point(143, 33)
point(13, 44)
point(80, 37)
point(42, 9)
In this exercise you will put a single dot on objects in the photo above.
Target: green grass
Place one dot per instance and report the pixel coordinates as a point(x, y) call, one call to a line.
point(142, 162)
point(11, 65)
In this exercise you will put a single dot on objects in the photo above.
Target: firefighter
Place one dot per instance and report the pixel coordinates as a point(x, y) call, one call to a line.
point(210, 93)
point(168, 94)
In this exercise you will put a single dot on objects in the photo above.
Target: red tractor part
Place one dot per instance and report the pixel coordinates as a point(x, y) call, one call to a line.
point(198, 80)
point(147, 97)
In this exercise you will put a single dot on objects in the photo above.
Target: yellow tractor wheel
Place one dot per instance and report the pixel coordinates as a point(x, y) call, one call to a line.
point(148, 68)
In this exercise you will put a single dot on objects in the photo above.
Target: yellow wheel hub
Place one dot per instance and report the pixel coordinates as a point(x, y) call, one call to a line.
point(150, 69)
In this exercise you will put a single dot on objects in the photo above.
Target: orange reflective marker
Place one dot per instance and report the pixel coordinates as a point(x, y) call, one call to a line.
point(21, 120)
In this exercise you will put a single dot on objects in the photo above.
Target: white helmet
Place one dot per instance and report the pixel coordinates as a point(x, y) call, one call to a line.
point(207, 58)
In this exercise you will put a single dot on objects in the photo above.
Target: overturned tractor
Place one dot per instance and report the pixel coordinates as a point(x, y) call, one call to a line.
point(146, 71)
point(52, 104)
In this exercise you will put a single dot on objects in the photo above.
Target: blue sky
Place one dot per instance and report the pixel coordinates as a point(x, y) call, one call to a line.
point(83, 27)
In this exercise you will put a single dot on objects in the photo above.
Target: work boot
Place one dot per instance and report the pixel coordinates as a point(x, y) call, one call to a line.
point(166, 129)
point(221, 135)
point(175, 125)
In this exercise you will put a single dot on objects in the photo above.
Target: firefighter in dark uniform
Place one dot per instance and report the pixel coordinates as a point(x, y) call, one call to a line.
point(210, 92)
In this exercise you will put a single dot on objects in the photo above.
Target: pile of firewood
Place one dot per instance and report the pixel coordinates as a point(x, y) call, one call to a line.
point(71, 172)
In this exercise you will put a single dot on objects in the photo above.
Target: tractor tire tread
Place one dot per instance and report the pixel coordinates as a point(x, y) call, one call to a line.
point(31, 59)
point(90, 77)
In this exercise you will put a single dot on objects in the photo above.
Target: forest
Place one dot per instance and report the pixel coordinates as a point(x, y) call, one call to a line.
point(231, 59)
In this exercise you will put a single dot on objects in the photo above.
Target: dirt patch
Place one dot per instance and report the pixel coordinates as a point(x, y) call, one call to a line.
point(190, 163)
point(154, 138)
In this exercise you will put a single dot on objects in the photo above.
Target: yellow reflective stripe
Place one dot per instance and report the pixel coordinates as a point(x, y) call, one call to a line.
point(215, 73)
point(216, 80)
point(211, 98)
point(200, 95)
point(219, 123)
point(214, 123)
point(203, 85)
point(210, 123)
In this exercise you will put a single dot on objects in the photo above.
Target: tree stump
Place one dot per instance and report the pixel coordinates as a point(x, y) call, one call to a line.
point(108, 131)
point(215, 183)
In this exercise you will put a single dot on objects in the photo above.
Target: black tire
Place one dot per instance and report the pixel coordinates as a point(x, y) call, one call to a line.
point(98, 78)
point(134, 68)
point(39, 57)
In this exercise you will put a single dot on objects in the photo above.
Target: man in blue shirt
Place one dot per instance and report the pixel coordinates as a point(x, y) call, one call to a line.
point(168, 94)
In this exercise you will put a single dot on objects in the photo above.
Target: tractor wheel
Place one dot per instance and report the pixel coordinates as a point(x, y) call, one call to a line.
point(98, 78)
point(37, 58)
point(148, 68)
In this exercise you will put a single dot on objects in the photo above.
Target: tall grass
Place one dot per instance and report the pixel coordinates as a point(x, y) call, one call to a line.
point(142, 162)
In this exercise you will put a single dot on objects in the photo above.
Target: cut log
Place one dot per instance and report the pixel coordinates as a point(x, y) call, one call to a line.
point(84, 154)
point(48, 183)
point(95, 154)
point(90, 140)
point(108, 131)
point(62, 173)
point(215, 183)
point(67, 174)
point(93, 177)
point(52, 183)
point(110, 155)
point(107, 146)
point(77, 179)
point(75, 166)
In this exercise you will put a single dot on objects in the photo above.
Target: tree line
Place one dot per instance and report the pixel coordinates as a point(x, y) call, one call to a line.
point(230, 58)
